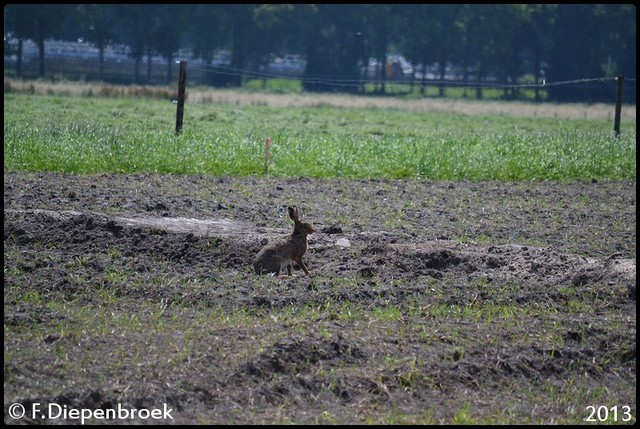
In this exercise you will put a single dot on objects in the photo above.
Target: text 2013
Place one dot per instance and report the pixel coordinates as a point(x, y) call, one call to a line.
point(603, 414)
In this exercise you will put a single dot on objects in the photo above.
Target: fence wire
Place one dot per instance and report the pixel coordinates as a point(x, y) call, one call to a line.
point(239, 73)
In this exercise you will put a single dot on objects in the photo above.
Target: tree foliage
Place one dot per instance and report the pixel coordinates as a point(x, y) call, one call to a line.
point(509, 43)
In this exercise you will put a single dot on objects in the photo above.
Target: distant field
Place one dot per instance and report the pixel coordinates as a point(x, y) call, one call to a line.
point(91, 128)
point(291, 97)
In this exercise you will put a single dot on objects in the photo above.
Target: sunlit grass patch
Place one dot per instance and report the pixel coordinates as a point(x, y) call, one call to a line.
point(90, 135)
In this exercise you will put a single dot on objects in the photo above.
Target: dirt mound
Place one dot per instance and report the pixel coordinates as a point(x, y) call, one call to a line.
point(379, 258)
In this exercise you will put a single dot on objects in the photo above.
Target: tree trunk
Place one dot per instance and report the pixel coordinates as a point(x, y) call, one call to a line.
point(41, 55)
point(101, 64)
point(536, 74)
point(149, 66)
point(479, 87)
point(19, 58)
point(383, 59)
point(443, 71)
point(136, 72)
point(169, 62)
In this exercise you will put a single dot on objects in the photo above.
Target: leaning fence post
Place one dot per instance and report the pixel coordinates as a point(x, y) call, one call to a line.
point(182, 84)
point(616, 122)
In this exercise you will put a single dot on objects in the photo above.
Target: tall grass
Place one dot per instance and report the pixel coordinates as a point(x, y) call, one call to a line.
point(82, 134)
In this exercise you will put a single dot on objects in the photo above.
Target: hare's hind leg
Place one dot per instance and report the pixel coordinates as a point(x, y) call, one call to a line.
point(262, 267)
point(276, 270)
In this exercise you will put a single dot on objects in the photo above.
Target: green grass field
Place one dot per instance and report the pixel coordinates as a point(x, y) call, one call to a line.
point(91, 134)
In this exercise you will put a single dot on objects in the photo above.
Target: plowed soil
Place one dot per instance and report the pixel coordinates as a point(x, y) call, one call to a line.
point(428, 302)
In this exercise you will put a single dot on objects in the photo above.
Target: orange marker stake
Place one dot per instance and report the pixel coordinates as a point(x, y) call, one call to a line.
point(267, 149)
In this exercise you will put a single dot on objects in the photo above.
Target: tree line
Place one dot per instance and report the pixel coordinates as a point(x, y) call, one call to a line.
point(506, 43)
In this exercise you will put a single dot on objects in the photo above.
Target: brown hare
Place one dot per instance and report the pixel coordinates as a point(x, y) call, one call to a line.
point(283, 251)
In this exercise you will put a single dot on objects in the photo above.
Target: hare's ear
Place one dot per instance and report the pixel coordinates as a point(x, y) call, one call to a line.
point(293, 213)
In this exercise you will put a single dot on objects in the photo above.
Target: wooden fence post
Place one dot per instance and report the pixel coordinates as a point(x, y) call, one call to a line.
point(182, 84)
point(616, 123)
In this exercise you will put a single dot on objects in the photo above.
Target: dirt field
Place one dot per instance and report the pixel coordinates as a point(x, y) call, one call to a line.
point(428, 302)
